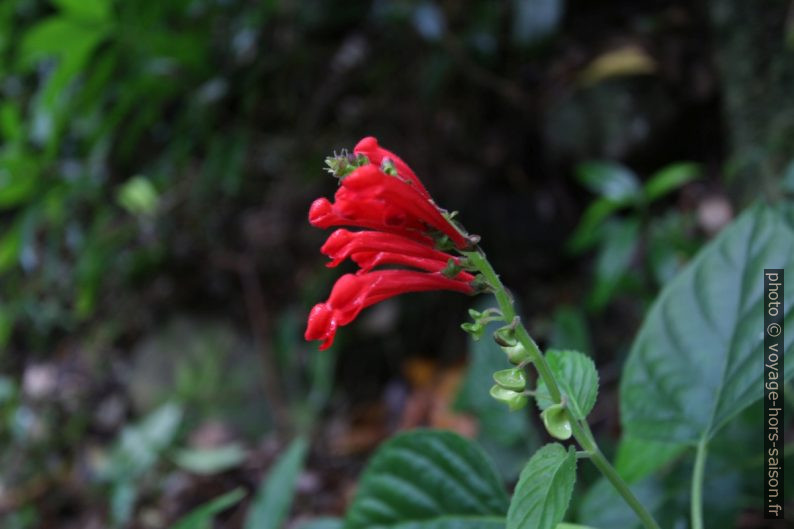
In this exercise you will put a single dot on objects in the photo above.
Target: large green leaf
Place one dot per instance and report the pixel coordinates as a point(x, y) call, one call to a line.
point(577, 378)
point(544, 489)
point(639, 458)
point(274, 499)
point(603, 507)
point(696, 360)
point(426, 476)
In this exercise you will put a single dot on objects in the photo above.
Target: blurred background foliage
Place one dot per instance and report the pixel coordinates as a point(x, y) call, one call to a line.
point(157, 160)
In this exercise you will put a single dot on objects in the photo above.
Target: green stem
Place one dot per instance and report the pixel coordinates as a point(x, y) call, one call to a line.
point(581, 432)
point(697, 484)
point(479, 260)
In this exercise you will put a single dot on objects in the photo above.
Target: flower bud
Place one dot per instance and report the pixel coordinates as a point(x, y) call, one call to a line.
point(557, 422)
point(341, 165)
point(515, 401)
point(513, 379)
point(475, 329)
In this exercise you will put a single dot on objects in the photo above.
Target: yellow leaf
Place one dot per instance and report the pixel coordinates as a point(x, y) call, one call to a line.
point(621, 62)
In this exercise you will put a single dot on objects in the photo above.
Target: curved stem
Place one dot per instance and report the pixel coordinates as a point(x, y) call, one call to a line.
point(479, 260)
point(581, 430)
point(696, 497)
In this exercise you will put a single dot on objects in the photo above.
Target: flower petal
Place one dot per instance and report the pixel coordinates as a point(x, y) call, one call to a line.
point(370, 185)
point(342, 243)
point(353, 293)
point(369, 147)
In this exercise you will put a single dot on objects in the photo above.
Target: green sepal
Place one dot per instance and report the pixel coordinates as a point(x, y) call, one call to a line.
point(515, 401)
point(513, 379)
point(451, 270)
point(476, 329)
point(475, 314)
point(557, 422)
point(387, 166)
point(505, 336)
point(517, 354)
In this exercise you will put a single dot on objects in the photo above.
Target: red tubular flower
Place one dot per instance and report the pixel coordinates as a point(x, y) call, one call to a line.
point(369, 187)
point(369, 260)
point(341, 244)
point(369, 147)
point(353, 293)
point(369, 249)
point(402, 218)
point(324, 214)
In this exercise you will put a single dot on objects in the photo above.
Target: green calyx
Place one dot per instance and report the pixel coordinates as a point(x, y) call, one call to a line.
point(388, 167)
point(557, 422)
point(515, 401)
point(513, 379)
point(451, 270)
point(480, 319)
point(341, 165)
point(475, 329)
point(516, 353)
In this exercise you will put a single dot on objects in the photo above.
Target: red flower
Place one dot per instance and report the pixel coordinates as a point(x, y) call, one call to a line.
point(370, 187)
point(369, 249)
point(324, 214)
point(353, 293)
point(369, 260)
point(371, 198)
point(404, 223)
point(369, 147)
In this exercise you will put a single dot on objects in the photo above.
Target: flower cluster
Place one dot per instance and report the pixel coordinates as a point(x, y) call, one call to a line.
point(402, 227)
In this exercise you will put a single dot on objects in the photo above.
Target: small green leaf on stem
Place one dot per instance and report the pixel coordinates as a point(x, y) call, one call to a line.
point(544, 489)
point(577, 378)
